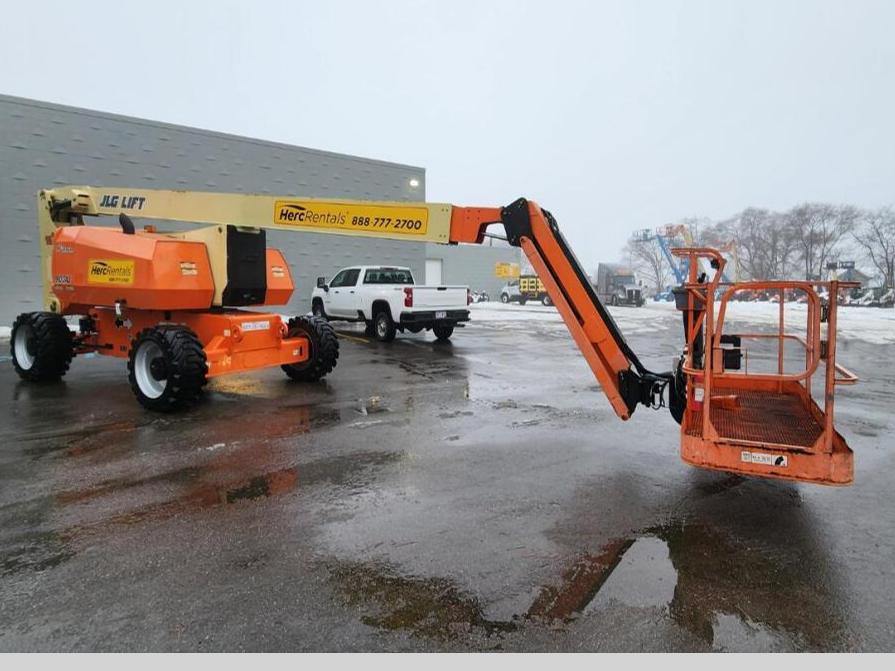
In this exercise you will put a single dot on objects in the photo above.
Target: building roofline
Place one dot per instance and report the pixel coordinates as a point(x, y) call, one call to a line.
point(43, 104)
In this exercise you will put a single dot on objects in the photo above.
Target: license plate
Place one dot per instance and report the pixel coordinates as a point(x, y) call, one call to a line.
point(441, 315)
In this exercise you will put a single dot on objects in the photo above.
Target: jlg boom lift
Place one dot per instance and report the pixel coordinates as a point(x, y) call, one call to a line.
point(172, 305)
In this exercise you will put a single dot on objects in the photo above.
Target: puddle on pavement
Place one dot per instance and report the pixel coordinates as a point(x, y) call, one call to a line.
point(730, 595)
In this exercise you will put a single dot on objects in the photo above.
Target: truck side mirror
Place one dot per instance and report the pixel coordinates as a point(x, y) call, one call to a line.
point(321, 283)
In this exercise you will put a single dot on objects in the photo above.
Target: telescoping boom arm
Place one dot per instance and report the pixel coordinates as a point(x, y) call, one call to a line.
point(624, 380)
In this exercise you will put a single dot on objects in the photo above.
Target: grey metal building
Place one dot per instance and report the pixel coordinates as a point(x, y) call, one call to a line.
point(44, 145)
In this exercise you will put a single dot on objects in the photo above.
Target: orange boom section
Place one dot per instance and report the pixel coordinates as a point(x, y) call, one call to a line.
point(101, 266)
point(622, 377)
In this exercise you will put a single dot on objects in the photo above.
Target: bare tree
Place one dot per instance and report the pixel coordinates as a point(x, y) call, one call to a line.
point(764, 243)
point(875, 236)
point(647, 259)
point(819, 228)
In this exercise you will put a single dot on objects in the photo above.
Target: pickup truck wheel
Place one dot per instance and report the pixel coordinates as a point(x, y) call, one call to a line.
point(324, 348)
point(443, 332)
point(370, 329)
point(504, 298)
point(385, 326)
point(318, 310)
point(522, 301)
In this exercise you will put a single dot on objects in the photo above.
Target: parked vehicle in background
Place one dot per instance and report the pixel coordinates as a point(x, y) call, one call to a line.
point(387, 300)
point(480, 297)
point(526, 288)
point(509, 293)
point(534, 290)
point(617, 285)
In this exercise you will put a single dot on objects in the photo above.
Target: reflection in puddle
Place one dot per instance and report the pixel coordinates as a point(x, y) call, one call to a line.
point(729, 595)
point(731, 632)
point(644, 578)
point(580, 584)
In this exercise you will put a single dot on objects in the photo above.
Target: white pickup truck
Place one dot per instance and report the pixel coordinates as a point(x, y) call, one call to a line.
point(387, 300)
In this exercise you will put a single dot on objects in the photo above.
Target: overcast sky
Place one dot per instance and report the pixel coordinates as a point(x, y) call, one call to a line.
point(614, 115)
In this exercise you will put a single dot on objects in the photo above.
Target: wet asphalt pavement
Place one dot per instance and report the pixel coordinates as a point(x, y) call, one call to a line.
point(474, 496)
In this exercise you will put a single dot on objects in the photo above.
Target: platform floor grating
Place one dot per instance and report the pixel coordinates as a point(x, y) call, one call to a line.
point(764, 418)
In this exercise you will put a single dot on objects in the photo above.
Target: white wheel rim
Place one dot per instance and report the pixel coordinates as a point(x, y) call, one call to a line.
point(146, 353)
point(23, 334)
point(381, 327)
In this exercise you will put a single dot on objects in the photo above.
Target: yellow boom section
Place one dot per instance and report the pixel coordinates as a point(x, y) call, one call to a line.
point(418, 222)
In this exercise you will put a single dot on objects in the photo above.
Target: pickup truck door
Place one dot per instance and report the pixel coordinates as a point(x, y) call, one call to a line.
point(342, 294)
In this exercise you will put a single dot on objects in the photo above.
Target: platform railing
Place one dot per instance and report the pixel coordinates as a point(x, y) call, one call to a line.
point(709, 373)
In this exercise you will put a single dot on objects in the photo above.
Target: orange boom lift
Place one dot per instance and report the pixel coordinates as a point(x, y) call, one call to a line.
point(173, 304)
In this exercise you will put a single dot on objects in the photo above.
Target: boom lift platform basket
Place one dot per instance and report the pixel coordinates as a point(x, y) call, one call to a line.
point(761, 423)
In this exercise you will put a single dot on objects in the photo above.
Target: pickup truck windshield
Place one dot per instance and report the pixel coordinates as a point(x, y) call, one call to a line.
point(388, 276)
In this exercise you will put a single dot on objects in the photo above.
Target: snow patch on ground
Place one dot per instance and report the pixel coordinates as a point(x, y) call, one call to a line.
point(873, 325)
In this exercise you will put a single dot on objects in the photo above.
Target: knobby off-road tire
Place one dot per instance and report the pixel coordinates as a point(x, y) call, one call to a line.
point(324, 348)
point(167, 368)
point(42, 346)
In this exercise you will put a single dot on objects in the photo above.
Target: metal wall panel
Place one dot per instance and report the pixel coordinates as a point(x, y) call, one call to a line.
point(42, 145)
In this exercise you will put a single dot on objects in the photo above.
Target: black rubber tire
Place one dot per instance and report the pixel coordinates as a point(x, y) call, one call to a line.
point(324, 352)
point(318, 310)
point(504, 298)
point(50, 343)
point(545, 301)
point(443, 332)
point(522, 301)
point(384, 326)
point(185, 367)
point(370, 329)
point(677, 394)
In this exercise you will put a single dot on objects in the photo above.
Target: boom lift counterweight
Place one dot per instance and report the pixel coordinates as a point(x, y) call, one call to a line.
point(172, 305)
